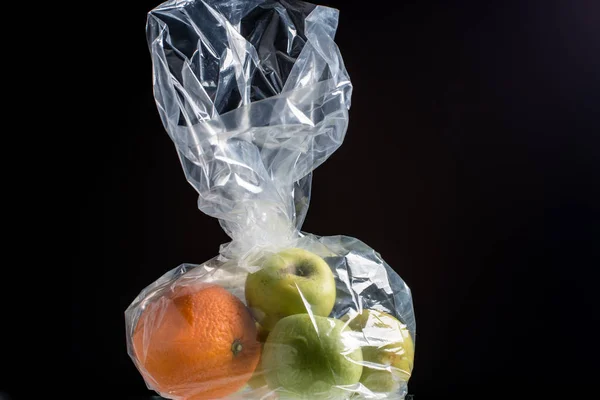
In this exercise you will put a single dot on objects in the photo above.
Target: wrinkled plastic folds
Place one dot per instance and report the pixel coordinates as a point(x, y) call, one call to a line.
point(254, 95)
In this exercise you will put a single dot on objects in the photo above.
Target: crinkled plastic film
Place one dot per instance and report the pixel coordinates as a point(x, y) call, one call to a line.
point(254, 95)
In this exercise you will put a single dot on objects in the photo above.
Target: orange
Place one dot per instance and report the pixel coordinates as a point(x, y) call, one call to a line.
point(196, 342)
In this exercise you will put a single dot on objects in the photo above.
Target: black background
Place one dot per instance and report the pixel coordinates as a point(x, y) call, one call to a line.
point(471, 164)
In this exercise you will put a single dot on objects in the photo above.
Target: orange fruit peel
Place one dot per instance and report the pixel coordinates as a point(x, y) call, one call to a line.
point(196, 342)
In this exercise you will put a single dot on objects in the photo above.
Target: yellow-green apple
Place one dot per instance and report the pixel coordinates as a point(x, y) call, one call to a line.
point(388, 350)
point(292, 281)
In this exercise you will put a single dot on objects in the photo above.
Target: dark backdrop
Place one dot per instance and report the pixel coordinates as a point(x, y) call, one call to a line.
point(470, 164)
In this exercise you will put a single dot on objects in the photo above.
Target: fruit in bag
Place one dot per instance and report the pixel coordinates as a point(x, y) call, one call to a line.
point(293, 281)
point(311, 357)
point(388, 350)
point(197, 342)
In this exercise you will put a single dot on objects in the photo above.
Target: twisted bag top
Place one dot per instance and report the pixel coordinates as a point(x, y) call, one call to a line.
point(254, 95)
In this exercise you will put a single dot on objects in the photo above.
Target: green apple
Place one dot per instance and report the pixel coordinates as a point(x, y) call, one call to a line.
point(312, 357)
point(388, 350)
point(293, 281)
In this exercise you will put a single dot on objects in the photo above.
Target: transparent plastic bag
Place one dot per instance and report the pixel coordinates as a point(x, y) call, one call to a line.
point(255, 95)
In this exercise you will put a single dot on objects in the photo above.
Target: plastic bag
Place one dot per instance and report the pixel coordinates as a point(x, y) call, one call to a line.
point(255, 95)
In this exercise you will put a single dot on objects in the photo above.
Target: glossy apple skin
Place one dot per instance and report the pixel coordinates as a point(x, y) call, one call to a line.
point(388, 350)
point(293, 281)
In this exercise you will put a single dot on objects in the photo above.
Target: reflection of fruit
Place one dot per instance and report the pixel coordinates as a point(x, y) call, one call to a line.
point(290, 282)
point(258, 377)
point(261, 334)
point(388, 350)
point(196, 343)
point(307, 356)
